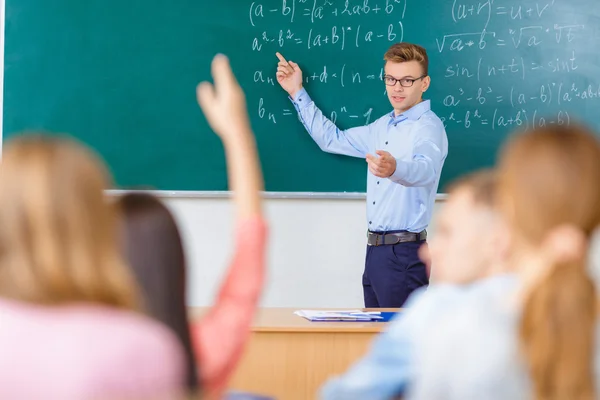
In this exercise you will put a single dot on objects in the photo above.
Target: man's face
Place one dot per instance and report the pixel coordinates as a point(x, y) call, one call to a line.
point(465, 244)
point(402, 98)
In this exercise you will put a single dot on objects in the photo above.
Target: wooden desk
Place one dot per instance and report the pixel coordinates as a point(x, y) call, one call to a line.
point(289, 357)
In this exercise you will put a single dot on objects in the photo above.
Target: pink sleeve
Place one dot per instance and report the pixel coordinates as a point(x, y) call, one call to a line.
point(220, 337)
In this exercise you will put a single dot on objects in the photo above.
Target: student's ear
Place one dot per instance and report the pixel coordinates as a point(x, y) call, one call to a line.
point(500, 242)
point(565, 243)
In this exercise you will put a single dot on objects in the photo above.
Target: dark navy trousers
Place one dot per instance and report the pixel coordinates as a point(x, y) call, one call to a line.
point(392, 273)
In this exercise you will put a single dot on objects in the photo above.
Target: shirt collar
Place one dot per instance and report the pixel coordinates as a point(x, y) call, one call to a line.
point(413, 113)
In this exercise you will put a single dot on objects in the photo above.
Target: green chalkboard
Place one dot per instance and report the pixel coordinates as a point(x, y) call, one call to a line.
point(120, 75)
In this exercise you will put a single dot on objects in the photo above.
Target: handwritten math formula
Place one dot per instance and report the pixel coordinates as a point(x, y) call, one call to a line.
point(495, 64)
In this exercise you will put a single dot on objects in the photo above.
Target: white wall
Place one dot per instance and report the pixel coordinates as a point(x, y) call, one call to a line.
point(316, 249)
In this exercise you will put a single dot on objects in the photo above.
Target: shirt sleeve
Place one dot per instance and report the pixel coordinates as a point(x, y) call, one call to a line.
point(388, 368)
point(352, 142)
point(384, 371)
point(429, 153)
point(220, 337)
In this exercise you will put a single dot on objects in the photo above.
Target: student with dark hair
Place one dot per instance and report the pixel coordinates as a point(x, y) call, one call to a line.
point(153, 245)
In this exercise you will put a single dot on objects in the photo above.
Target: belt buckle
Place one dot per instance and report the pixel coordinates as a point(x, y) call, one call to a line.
point(377, 241)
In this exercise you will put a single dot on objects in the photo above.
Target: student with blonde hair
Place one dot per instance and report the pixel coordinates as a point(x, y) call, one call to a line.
point(68, 325)
point(537, 337)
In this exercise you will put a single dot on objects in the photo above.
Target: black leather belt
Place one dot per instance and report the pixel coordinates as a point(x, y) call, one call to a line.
point(377, 239)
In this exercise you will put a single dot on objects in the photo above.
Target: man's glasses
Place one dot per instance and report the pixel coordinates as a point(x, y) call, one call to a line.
point(404, 82)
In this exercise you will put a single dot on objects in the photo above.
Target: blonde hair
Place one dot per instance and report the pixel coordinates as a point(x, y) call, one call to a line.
point(550, 177)
point(404, 52)
point(57, 233)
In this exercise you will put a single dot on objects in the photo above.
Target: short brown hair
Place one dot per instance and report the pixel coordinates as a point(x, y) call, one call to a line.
point(403, 52)
point(482, 184)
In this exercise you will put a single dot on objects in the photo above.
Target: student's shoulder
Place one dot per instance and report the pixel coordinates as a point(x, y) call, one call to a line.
point(444, 295)
point(122, 330)
point(127, 348)
point(135, 326)
point(483, 304)
point(426, 301)
point(151, 347)
point(96, 333)
point(435, 294)
point(423, 307)
point(493, 287)
point(487, 301)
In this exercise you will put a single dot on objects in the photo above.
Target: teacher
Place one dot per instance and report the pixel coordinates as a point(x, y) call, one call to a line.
point(405, 150)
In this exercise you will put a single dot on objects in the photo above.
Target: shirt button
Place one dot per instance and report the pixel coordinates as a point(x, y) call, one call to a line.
point(373, 202)
point(395, 124)
point(370, 222)
point(378, 182)
point(386, 142)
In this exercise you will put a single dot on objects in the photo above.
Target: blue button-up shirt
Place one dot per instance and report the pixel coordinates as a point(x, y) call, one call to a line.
point(416, 139)
point(398, 357)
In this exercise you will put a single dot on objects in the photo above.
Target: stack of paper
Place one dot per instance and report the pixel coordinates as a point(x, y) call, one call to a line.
point(345, 315)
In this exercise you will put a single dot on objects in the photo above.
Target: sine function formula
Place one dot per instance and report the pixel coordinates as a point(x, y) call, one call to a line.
point(494, 64)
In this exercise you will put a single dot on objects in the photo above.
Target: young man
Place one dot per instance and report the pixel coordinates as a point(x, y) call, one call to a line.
point(405, 151)
point(469, 246)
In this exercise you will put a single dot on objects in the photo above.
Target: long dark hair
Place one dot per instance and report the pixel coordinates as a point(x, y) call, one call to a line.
point(152, 246)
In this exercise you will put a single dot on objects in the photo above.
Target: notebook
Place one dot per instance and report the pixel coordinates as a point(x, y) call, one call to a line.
point(344, 315)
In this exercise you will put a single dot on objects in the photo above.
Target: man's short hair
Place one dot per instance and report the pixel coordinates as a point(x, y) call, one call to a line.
point(403, 52)
point(482, 184)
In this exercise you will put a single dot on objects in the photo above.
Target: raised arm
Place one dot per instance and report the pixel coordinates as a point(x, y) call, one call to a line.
point(224, 106)
point(220, 337)
point(351, 142)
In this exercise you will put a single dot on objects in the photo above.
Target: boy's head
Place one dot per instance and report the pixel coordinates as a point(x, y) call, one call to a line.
point(406, 75)
point(467, 243)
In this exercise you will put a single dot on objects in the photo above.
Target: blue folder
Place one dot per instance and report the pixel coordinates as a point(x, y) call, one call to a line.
point(246, 396)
